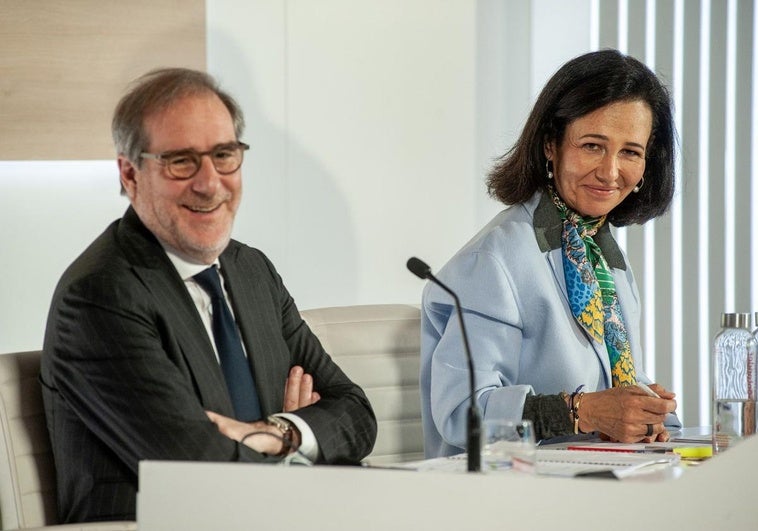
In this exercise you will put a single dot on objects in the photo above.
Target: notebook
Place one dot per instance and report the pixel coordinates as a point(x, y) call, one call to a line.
point(565, 463)
point(569, 463)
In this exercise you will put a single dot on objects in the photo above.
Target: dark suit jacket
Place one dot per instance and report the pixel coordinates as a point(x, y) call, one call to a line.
point(128, 370)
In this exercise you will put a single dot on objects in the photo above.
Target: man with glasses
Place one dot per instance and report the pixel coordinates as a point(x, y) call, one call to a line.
point(166, 339)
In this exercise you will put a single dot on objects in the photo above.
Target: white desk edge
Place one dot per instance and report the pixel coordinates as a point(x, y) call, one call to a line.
point(719, 494)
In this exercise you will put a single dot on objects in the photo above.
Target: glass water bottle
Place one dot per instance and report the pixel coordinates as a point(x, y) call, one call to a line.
point(734, 381)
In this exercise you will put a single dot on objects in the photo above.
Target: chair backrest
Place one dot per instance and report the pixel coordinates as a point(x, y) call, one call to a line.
point(378, 347)
point(27, 474)
point(27, 470)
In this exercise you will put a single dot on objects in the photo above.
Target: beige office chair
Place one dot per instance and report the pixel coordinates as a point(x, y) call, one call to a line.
point(27, 473)
point(378, 347)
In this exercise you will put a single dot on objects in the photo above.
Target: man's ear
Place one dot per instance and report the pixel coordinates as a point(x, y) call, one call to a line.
point(127, 175)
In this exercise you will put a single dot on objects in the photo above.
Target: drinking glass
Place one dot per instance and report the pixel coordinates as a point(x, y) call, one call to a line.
point(508, 444)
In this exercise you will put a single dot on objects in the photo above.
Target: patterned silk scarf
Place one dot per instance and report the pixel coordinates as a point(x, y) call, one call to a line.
point(592, 292)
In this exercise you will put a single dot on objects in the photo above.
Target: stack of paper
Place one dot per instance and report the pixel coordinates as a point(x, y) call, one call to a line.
point(618, 464)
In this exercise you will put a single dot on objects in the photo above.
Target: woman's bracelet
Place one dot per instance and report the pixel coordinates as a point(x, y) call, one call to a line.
point(574, 401)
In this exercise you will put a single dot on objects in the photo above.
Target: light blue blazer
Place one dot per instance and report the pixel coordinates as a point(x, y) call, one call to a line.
point(523, 338)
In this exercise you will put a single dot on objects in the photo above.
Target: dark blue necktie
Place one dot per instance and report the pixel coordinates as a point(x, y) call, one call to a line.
point(234, 365)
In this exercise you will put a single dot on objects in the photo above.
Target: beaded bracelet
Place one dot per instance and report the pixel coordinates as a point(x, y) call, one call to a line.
point(574, 401)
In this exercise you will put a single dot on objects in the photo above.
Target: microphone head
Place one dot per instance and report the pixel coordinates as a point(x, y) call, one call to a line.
point(418, 268)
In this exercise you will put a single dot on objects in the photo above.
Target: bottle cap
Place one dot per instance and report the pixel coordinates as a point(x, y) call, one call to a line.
point(735, 320)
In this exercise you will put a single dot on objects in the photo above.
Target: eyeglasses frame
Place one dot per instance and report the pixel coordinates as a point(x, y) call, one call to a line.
point(163, 157)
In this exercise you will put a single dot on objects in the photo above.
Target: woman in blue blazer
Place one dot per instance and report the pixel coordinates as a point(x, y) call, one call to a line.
point(549, 299)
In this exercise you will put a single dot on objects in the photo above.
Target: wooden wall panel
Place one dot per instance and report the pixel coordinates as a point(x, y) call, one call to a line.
point(65, 63)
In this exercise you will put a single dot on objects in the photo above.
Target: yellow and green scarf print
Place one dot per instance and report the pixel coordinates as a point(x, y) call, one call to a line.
point(592, 292)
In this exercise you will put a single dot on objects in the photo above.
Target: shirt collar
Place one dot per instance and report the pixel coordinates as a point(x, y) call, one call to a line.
point(184, 267)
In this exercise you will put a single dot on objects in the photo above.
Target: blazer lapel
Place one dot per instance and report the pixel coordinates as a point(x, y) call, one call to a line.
point(555, 259)
point(547, 229)
point(258, 316)
point(156, 271)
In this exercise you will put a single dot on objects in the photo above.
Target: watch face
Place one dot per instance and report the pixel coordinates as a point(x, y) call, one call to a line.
point(285, 427)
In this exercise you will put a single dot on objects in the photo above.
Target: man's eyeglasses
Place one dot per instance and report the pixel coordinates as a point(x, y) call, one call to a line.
point(185, 163)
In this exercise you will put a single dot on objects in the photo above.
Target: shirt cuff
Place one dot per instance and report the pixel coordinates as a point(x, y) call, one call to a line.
point(308, 444)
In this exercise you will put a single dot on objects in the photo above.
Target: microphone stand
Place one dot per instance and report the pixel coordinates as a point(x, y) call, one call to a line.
point(474, 420)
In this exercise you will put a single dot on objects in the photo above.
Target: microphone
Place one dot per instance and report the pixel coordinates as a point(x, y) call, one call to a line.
point(474, 426)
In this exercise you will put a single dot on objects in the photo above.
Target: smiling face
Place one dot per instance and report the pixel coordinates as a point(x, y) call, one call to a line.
point(193, 217)
point(601, 157)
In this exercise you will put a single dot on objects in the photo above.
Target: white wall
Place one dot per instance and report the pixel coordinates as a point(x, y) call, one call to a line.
point(372, 124)
point(49, 212)
point(362, 121)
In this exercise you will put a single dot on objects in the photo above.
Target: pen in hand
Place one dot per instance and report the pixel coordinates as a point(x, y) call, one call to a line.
point(647, 390)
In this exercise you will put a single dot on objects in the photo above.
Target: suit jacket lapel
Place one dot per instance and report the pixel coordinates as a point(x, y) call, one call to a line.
point(259, 320)
point(156, 271)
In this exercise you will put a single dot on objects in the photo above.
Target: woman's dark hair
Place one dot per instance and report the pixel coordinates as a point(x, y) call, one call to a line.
point(579, 87)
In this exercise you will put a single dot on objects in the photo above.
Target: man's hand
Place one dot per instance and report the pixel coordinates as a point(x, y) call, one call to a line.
point(298, 390)
point(298, 393)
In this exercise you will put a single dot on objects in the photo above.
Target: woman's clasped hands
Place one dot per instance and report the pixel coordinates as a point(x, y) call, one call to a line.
point(627, 414)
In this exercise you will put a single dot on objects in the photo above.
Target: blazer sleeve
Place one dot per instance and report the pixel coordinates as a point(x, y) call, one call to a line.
point(494, 329)
point(343, 421)
point(111, 363)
